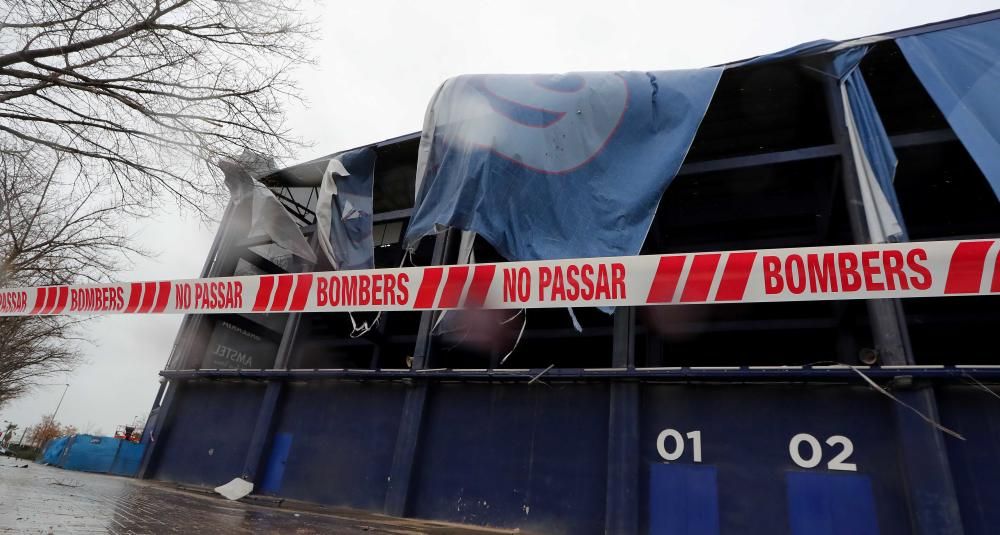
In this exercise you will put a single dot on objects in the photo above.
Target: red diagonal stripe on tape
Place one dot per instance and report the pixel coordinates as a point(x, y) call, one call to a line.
point(995, 285)
point(699, 279)
point(668, 272)
point(39, 301)
point(301, 295)
point(148, 294)
point(453, 286)
point(264, 293)
point(162, 297)
point(50, 300)
point(428, 287)
point(61, 302)
point(134, 295)
point(482, 278)
point(281, 295)
point(965, 273)
point(735, 277)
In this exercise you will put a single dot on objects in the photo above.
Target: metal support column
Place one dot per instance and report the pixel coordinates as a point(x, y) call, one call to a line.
point(152, 414)
point(923, 456)
point(260, 438)
point(219, 263)
point(407, 441)
point(155, 433)
point(622, 495)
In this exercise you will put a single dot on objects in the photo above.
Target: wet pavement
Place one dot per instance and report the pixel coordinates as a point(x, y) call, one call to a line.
point(42, 499)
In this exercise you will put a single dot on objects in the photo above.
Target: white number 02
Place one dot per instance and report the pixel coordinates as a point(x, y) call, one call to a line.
point(814, 456)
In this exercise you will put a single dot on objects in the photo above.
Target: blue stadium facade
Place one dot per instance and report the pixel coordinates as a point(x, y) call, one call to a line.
point(736, 418)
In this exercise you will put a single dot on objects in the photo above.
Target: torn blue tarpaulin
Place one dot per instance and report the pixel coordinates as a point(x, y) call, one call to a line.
point(268, 217)
point(797, 51)
point(344, 210)
point(875, 159)
point(556, 166)
point(960, 68)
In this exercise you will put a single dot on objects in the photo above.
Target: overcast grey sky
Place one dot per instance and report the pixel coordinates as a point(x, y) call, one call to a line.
point(378, 62)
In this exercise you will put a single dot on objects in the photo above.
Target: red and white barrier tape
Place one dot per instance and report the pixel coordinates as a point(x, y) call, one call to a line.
point(928, 269)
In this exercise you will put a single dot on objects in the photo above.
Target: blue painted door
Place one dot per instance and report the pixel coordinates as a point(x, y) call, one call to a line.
point(274, 471)
point(683, 499)
point(823, 503)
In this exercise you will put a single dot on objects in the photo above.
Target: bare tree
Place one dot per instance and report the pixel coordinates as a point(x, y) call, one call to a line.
point(105, 107)
point(147, 93)
point(53, 230)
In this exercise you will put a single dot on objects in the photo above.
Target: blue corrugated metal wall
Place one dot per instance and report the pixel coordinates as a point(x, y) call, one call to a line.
point(206, 441)
point(532, 456)
point(745, 434)
point(536, 456)
point(975, 462)
point(342, 440)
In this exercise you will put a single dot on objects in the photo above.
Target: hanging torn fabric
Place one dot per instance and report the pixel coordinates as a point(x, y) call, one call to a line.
point(344, 210)
point(555, 166)
point(268, 217)
point(960, 68)
point(797, 51)
point(874, 158)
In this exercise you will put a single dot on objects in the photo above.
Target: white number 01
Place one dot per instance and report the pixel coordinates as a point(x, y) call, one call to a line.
point(815, 452)
point(677, 444)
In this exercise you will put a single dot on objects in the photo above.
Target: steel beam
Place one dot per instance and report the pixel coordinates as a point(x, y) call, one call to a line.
point(220, 262)
point(931, 495)
point(622, 494)
point(261, 437)
point(666, 374)
point(407, 440)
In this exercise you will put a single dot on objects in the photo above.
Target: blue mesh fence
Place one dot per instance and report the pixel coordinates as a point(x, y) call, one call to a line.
point(54, 450)
point(128, 459)
point(88, 453)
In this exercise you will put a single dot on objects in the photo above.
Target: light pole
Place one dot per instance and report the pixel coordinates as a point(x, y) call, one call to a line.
point(66, 385)
point(60, 403)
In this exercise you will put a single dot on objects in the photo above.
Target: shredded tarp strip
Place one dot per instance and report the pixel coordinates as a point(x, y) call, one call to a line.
point(960, 68)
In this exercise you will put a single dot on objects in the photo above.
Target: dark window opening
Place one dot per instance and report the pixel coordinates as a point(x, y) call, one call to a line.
point(943, 193)
point(795, 204)
point(331, 340)
point(494, 339)
point(761, 109)
point(953, 330)
point(395, 169)
point(901, 100)
point(752, 334)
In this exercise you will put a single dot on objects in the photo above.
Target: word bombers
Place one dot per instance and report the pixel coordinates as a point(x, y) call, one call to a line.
point(848, 271)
